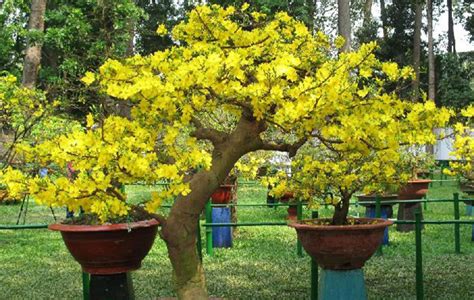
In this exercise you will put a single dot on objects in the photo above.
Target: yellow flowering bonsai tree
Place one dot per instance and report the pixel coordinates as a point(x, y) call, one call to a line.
point(464, 150)
point(266, 78)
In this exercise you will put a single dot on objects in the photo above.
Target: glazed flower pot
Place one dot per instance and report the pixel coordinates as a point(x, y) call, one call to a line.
point(412, 190)
point(223, 194)
point(109, 249)
point(341, 247)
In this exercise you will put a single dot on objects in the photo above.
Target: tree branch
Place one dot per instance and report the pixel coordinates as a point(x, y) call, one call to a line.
point(211, 134)
point(290, 148)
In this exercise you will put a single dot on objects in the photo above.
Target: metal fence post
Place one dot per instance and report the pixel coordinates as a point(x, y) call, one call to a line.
point(299, 217)
point(378, 214)
point(419, 256)
point(314, 270)
point(209, 248)
point(198, 240)
point(85, 286)
point(457, 239)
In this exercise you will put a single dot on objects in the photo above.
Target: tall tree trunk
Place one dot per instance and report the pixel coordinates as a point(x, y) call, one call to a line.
point(451, 39)
point(344, 22)
point(179, 230)
point(431, 60)
point(417, 49)
point(367, 12)
point(33, 49)
point(383, 16)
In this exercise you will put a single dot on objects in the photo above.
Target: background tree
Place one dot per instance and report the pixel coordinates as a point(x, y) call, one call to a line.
point(418, 8)
point(344, 23)
point(32, 59)
point(451, 38)
point(13, 20)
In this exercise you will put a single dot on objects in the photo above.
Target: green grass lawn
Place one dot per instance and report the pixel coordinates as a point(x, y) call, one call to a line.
point(34, 264)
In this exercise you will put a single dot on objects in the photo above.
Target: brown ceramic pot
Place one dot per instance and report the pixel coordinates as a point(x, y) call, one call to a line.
point(341, 247)
point(109, 249)
point(414, 189)
point(223, 194)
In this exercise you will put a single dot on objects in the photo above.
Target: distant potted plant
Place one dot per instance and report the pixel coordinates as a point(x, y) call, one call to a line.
point(226, 191)
point(414, 160)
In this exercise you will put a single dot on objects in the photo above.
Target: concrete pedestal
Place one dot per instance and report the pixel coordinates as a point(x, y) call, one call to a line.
point(115, 286)
point(342, 285)
point(386, 212)
point(221, 236)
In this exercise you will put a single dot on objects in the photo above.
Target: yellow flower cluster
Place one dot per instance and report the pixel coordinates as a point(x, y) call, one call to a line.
point(229, 63)
point(464, 147)
point(116, 153)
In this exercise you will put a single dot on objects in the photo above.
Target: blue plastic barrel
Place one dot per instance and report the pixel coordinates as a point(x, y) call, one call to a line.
point(385, 213)
point(221, 236)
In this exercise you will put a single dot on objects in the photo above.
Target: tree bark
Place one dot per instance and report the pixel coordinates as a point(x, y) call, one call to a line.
point(179, 231)
point(367, 12)
point(416, 50)
point(33, 49)
point(344, 22)
point(451, 39)
point(383, 16)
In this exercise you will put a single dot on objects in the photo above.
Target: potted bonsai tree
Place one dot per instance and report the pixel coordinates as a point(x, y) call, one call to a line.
point(270, 77)
point(333, 174)
point(112, 236)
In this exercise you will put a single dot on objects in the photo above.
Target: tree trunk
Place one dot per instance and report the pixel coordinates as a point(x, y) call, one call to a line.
point(431, 61)
point(33, 49)
point(431, 58)
point(451, 39)
point(179, 231)
point(344, 22)
point(340, 211)
point(367, 12)
point(383, 16)
point(416, 50)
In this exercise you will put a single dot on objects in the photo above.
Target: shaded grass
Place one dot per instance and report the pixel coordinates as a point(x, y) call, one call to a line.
point(262, 264)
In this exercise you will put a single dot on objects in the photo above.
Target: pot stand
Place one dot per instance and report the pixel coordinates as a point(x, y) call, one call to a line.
point(469, 213)
point(114, 286)
point(406, 211)
point(386, 212)
point(221, 236)
point(342, 285)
